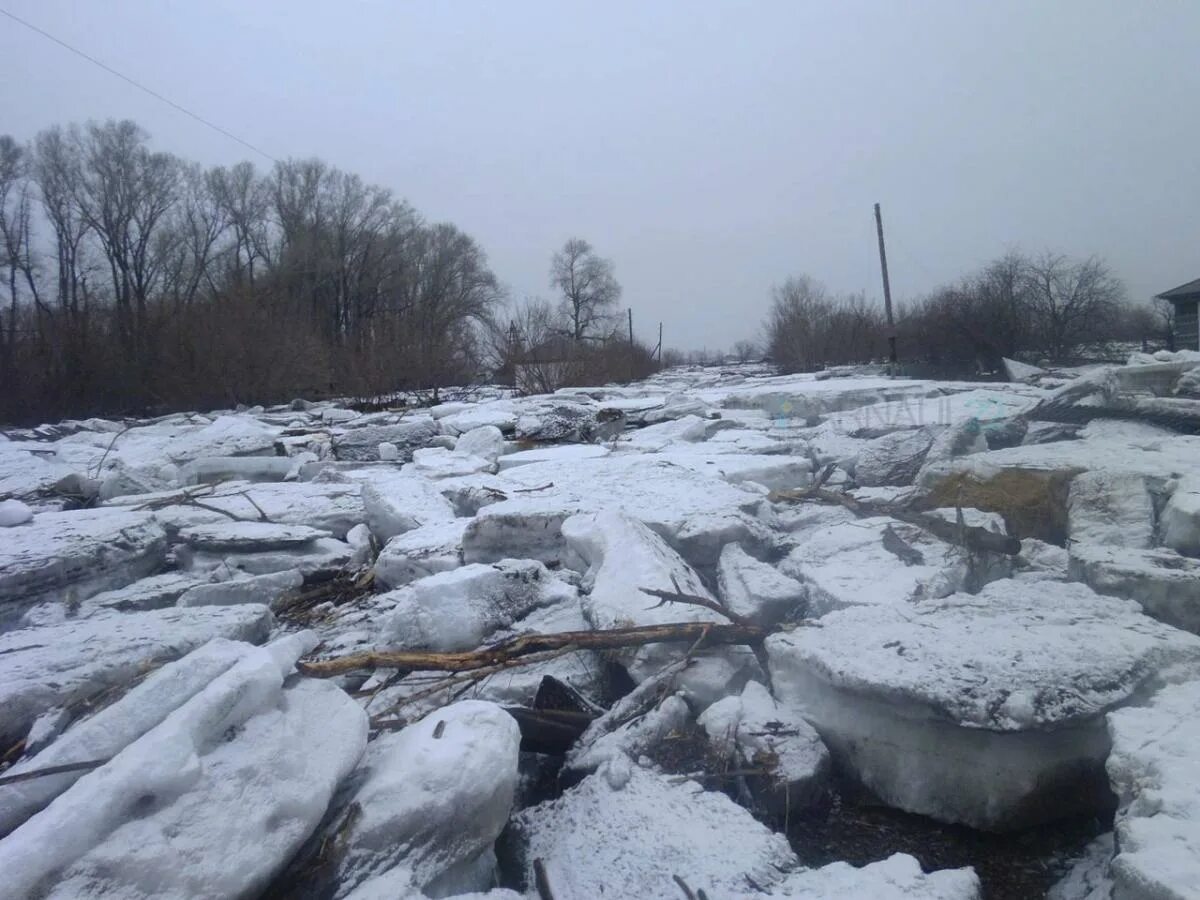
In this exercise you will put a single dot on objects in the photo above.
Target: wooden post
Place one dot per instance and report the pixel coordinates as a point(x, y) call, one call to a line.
point(658, 349)
point(631, 360)
point(887, 287)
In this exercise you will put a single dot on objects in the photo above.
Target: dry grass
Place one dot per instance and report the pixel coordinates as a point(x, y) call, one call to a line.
point(1033, 502)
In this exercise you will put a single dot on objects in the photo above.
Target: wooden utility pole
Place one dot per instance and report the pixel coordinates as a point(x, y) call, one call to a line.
point(631, 361)
point(887, 288)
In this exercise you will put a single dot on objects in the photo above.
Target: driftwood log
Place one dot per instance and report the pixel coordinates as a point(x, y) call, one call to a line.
point(699, 634)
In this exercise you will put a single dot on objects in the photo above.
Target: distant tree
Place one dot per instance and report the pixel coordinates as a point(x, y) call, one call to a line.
point(586, 284)
point(1164, 311)
point(1072, 302)
point(746, 350)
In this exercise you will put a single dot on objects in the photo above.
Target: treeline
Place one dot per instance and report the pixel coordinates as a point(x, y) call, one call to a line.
point(137, 281)
point(1045, 307)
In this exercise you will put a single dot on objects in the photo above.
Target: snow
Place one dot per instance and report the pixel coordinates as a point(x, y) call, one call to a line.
point(625, 831)
point(623, 557)
point(1156, 775)
point(81, 552)
point(14, 512)
point(899, 877)
point(918, 701)
point(1181, 517)
point(57, 665)
point(1087, 879)
point(423, 551)
point(776, 472)
point(434, 795)
point(456, 610)
point(1110, 508)
point(213, 800)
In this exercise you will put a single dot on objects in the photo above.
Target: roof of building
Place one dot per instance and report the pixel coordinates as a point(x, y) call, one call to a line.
point(1183, 292)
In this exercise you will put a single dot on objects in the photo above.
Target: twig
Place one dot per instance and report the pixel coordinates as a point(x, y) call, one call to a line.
point(541, 880)
point(52, 770)
point(678, 596)
point(687, 891)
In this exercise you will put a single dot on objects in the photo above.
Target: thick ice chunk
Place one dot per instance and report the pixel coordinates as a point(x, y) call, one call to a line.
point(82, 552)
point(773, 471)
point(1166, 584)
point(14, 512)
point(438, 462)
point(499, 414)
point(486, 441)
point(1181, 517)
point(893, 459)
point(324, 555)
point(758, 591)
point(876, 560)
point(605, 741)
point(213, 800)
point(626, 831)
point(57, 665)
point(433, 796)
point(623, 557)
point(899, 877)
point(362, 444)
point(687, 508)
point(113, 728)
point(426, 550)
point(1155, 773)
point(211, 469)
point(397, 502)
point(456, 610)
point(754, 732)
point(920, 699)
point(262, 589)
point(1110, 508)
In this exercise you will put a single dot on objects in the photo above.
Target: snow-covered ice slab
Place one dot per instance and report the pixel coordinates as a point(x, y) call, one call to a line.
point(332, 507)
point(262, 589)
point(776, 472)
point(56, 665)
point(983, 709)
point(558, 453)
point(433, 796)
point(24, 472)
point(80, 553)
point(857, 563)
point(248, 537)
point(212, 801)
point(456, 610)
point(426, 550)
point(698, 515)
point(625, 831)
point(623, 557)
point(438, 462)
point(210, 469)
point(1155, 772)
point(1166, 584)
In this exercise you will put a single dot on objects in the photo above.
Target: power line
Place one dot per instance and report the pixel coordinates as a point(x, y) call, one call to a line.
point(139, 86)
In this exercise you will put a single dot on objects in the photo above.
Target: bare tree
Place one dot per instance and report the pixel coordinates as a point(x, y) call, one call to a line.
point(587, 285)
point(1072, 302)
point(746, 350)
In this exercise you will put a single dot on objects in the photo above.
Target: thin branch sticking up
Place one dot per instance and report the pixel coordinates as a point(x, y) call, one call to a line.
point(679, 596)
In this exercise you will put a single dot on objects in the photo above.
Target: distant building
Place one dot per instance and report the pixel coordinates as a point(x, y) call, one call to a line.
point(1185, 298)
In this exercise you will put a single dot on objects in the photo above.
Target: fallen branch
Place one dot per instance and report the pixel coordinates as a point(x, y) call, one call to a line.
point(972, 537)
point(52, 770)
point(679, 596)
point(469, 660)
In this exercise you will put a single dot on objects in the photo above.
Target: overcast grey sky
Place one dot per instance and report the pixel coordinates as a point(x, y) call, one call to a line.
point(709, 148)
